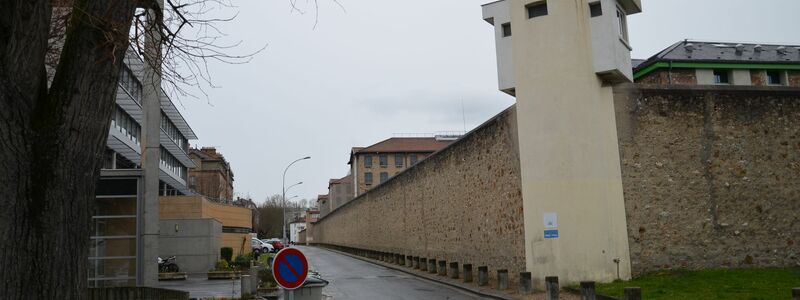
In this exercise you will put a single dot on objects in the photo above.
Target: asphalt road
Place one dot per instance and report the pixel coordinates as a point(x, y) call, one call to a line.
point(355, 279)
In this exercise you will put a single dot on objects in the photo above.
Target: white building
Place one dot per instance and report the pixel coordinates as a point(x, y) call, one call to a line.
point(294, 230)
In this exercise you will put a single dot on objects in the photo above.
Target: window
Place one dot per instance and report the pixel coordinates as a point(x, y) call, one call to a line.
point(367, 161)
point(774, 78)
point(383, 160)
point(130, 84)
point(623, 24)
point(595, 9)
point(399, 160)
point(721, 77)
point(172, 131)
point(412, 159)
point(368, 178)
point(506, 29)
point(384, 177)
point(123, 122)
point(537, 9)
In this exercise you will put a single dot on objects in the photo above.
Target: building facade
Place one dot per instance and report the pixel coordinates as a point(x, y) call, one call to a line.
point(212, 175)
point(692, 63)
point(373, 165)
point(323, 204)
point(340, 191)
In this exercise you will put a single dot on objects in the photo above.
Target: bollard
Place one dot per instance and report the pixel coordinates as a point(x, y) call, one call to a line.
point(587, 290)
point(502, 279)
point(415, 262)
point(796, 294)
point(633, 293)
point(442, 268)
point(454, 270)
point(432, 266)
point(246, 284)
point(254, 280)
point(483, 275)
point(423, 264)
point(551, 286)
point(525, 284)
point(467, 272)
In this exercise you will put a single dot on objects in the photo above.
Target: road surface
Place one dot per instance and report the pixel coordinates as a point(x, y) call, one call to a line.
point(355, 279)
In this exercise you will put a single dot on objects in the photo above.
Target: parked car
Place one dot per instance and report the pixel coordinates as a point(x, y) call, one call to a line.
point(277, 244)
point(260, 246)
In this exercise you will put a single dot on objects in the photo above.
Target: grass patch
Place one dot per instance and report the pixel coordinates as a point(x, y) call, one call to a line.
point(744, 284)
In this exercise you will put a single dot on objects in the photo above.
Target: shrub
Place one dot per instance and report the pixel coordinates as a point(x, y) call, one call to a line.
point(226, 253)
point(265, 276)
point(243, 261)
point(221, 265)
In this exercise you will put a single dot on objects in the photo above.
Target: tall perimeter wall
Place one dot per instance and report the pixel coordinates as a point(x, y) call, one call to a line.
point(711, 176)
point(462, 204)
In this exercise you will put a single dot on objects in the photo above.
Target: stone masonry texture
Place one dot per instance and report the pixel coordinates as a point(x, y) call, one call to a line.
point(462, 204)
point(711, 176)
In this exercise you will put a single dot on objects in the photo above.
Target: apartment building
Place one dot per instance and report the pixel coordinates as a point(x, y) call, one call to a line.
point(688, 63)
point(212, 175)
point(373, 165)
point(125, 221)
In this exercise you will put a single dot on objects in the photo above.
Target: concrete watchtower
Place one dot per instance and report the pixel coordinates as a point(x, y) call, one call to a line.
point(559, 58)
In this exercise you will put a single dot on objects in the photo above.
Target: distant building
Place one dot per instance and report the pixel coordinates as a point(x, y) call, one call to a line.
point(340, 191)
point(718, 63)
point(373, 165)
point(295, 228)
point(212, 176)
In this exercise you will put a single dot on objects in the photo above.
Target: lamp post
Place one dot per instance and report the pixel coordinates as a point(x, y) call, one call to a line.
point(283, 195)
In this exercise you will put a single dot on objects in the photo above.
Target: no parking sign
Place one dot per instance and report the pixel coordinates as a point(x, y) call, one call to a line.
point(290, 268)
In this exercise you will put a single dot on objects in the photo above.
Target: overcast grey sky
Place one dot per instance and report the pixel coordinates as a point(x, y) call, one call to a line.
point(386, 67)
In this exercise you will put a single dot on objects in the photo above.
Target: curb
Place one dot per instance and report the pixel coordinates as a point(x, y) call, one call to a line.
point(432, 278)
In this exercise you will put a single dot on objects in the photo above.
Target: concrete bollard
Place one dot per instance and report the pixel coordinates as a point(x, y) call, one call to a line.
point(254, 279)
point(423, 264)
point(246, 284)
point(502, 280)
point(525, 283)
point(432, 266)
point(551, 287)
point(796, 294)
point(587, 290)
point(442, 268)
point(633, 293)
point(467, 272)
point(483, 275)
point(454, 270)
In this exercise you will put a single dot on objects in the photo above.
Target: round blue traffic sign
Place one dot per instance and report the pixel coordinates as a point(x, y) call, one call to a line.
point(290, 268)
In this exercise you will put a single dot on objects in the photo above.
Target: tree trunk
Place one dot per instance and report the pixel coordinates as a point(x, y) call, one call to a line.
point(52, 141)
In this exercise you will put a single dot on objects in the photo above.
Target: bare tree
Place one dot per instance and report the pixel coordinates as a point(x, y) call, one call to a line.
point(52, 136)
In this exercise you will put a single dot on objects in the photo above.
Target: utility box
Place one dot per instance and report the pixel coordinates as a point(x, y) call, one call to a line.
point(311, 290)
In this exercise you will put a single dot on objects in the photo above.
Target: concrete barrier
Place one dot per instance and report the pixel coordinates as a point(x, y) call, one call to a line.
point(525, 283)
point(587, 290)
point(551, 287)
point(483, 275)
point(502, 280)
point(467, 272)
point(454, 270)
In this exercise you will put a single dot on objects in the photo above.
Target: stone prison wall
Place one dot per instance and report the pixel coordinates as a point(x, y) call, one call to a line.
point(462, 204)
point(711, 176)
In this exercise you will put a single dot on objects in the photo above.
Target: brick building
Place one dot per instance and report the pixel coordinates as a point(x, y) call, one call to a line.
point(689, 63)
point(212, 176)
point(375, 164)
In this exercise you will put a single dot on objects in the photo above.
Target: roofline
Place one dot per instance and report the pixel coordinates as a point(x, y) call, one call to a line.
point(713, 65)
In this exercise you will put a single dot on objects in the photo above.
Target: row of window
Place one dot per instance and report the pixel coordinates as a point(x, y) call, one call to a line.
point(172, 164)
point(172, 131)
point(383, 160)
point(130, 84)
point(123, 122)
point(774, 77)
point(539, 8)
point(384, 176)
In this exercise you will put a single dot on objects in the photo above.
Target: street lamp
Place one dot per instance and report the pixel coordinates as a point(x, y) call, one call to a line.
point(283, 195)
